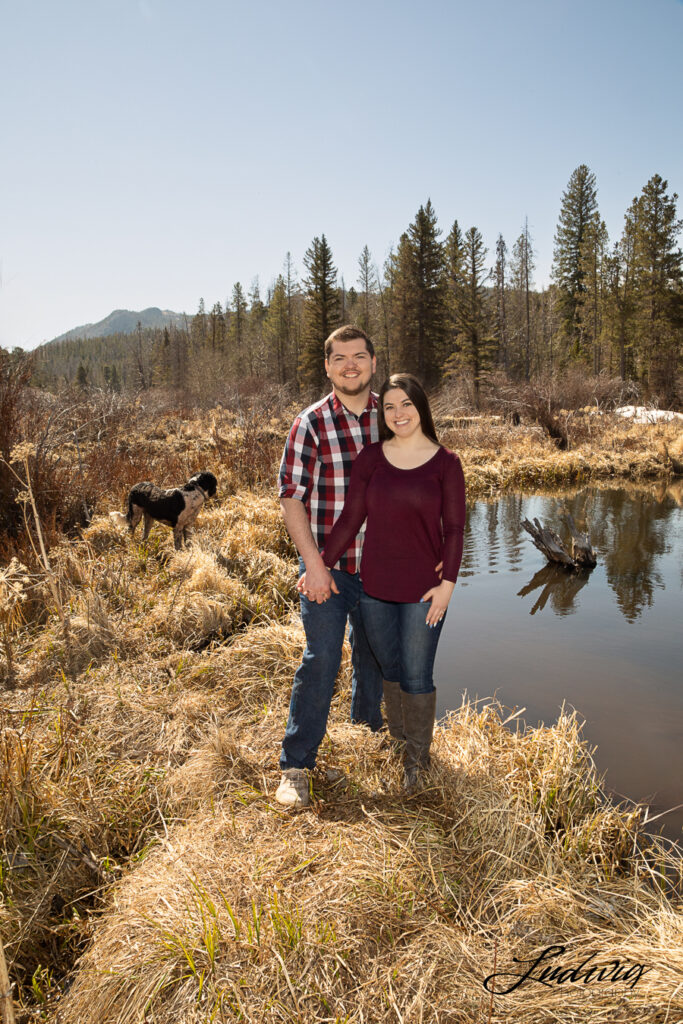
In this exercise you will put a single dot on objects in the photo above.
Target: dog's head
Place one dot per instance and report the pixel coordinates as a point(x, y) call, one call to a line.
point(207, 482)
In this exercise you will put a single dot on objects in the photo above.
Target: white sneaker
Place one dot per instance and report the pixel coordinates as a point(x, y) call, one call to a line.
point(293, 789)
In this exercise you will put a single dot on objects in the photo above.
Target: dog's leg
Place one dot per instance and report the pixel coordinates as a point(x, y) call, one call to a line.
point(135, 514)
point(147, 527)
point(178, 537)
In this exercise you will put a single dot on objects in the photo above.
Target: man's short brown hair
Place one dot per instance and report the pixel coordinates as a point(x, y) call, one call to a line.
point(348, 333)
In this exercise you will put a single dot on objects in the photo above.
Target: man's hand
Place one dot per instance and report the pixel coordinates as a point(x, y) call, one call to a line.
point(317, 583)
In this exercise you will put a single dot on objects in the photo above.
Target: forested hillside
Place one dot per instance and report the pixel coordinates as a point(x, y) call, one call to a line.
point(443, 304)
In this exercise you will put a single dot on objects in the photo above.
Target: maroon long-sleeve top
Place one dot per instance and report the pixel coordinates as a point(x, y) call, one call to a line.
point(415, 519)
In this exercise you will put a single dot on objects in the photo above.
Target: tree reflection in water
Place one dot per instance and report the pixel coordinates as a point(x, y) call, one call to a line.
point(630, 529)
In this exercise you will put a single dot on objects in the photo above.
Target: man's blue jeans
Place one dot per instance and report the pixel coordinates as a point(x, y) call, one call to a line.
point(325, 627)
point(402, 642)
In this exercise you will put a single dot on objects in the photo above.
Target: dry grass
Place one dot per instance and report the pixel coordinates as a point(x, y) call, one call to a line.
point(369, 907)
point(138, 763)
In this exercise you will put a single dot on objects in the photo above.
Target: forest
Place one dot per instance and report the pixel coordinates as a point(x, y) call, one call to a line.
point(442, 305)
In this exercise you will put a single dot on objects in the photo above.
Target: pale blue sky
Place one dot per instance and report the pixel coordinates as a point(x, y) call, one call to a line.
point(156, 151)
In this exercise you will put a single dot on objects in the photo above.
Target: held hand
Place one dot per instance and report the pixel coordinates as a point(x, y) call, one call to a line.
point(317, 584)
point(439, 598)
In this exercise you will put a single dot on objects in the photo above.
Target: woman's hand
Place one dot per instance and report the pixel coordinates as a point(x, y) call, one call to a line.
point(439, 597)
point(317, 584)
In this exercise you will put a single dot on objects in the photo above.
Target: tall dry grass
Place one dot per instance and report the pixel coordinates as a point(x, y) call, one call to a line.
point(146, 872)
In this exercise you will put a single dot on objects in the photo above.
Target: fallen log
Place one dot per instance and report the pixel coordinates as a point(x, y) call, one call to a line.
point(552, 546)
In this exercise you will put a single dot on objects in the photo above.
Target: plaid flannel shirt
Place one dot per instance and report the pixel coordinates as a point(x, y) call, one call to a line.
point(316, 465)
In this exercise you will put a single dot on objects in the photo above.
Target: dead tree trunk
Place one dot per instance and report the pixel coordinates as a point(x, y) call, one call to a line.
point(547, 541)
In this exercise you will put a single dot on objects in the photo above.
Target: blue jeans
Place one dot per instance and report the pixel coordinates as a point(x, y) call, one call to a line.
point(402, 642)
point(325, 627)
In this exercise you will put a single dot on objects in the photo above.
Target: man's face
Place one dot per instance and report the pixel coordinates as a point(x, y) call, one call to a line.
point(350, 366)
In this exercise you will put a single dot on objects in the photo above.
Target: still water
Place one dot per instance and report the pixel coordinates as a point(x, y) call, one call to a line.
point(608, 643)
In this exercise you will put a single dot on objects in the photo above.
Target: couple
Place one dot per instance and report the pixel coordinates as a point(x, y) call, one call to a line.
point(350, 459)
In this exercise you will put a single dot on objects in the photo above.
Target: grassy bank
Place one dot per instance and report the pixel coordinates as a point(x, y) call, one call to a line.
point(148, 875)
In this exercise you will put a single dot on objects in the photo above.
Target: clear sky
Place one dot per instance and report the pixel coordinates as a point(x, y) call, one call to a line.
point(156, 151)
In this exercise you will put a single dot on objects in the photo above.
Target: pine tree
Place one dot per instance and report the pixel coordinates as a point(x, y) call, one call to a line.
point(216, 328)
point(367, 282)
point(521, 276)
point(238, 331)
point(198, 330)
point(476, 343)
point(577, 215)
point(591, 298)
point(321, 313)
point(417, 271)
point(501, 324)
point(276, 330)
point(455, 283)
point(256, 344)
point(658, 283)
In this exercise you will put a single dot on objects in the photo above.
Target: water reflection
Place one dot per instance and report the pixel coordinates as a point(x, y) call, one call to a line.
point(630, 531)
point(560, 586)
point(608, 643)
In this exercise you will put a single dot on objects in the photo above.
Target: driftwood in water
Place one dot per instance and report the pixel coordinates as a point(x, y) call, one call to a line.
point(582, 551)
point(547, 541)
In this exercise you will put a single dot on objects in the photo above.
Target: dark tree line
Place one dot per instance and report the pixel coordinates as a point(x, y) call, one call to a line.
point(439, 307)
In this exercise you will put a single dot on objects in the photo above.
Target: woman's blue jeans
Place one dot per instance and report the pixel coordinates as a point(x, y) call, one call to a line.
point(403, 643)
point(309, 707)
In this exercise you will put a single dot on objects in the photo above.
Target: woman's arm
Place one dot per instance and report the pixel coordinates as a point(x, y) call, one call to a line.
point(352, 515)
point(453, 513)
point(453, 522)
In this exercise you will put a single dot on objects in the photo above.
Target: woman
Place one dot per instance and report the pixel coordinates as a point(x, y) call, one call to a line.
point(411, 490)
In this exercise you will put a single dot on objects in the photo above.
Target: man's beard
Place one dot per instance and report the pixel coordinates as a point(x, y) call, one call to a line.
point(350, 389)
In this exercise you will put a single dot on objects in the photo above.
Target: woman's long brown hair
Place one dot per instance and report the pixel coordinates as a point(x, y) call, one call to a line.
point(417, 395)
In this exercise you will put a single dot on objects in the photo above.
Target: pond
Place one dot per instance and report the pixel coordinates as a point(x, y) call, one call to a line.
point(608, 643)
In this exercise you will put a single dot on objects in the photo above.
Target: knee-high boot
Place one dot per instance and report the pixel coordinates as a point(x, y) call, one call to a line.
point(419, 712)
point(393, 707)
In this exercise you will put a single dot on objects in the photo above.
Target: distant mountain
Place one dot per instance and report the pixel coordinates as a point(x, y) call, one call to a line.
point(123, 321)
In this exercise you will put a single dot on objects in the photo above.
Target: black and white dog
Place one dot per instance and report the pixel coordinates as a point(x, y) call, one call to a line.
point(176, 507)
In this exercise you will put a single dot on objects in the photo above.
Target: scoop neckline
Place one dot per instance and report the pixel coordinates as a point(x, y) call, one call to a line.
point(412, 469)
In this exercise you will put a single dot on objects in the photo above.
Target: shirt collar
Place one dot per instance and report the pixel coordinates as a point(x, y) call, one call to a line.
point(338, 407)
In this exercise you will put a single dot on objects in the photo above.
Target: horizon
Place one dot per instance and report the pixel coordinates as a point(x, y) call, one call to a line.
point(166, 156)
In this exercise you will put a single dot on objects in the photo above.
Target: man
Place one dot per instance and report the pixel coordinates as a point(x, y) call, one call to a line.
point(314, 476)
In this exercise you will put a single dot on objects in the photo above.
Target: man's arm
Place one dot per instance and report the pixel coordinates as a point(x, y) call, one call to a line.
point(319, 581)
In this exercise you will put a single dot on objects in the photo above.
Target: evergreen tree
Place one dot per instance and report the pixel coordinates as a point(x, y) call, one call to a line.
point(367, 282)
point(578, 214)
point(321, 312)
point(455, 279)
point(521, 275)
point(256, 345)
point(591, 299)
point(419, 298)
point(276, 329)
point(476, 344)
point(658, 286)
point(238, 331)
point(216, 328)
point(199, 327)
point(82, 377)
point(294, 318)
point(501, 324)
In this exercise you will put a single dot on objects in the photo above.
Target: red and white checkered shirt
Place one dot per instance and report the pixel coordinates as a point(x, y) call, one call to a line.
point(316, 465)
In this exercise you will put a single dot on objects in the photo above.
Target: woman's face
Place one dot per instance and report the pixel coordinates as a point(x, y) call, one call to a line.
point(401, 416)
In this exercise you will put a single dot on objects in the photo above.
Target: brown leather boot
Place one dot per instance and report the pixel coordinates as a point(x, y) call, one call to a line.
point(419, 712)
point(393, 707)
